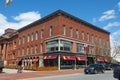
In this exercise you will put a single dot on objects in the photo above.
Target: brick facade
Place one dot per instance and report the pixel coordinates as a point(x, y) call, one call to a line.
point(17, 44)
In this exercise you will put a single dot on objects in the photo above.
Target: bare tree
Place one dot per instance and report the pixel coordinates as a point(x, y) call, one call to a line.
point(116, 49)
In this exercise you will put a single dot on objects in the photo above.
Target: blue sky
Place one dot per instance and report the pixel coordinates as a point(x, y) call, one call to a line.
point(102, 13)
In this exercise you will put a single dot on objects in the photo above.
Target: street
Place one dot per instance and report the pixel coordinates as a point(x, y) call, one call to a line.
point(106, 76)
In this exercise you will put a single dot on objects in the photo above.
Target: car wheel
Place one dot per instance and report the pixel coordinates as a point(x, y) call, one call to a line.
point(119, 78)
point(86, 73)
point(103, 71)
point(1, 70)
point(95, 71)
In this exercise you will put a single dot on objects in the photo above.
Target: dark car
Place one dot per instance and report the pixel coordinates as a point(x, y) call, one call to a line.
point(108, 66)
point(94, 69)
point(116, 72)
point(114, 65)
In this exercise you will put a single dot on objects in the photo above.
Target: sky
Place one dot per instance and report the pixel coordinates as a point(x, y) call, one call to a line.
point(102, 13)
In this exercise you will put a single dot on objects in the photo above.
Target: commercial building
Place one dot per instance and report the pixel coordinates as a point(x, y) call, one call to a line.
point(58, 39)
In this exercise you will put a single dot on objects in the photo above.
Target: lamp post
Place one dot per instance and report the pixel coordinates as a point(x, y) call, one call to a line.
point(85, 46)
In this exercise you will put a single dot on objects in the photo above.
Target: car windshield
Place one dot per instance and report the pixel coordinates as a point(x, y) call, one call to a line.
point(93, 65)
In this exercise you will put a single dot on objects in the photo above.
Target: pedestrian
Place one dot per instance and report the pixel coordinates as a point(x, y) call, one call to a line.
point(21, 66)
point(20, 70)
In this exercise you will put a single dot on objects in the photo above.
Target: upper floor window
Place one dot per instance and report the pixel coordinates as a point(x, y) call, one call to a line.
point(107, 44)
point(92, 39)
point(96, 40)
point(18, 52)
point(87, 37)
point(52, 46)
point(19, 41)
point(41, 48)
point(63, 30)
point(14, 44)
point(91, 50)
point(65, 45)
point(23, 40)
point(42, 33)
point(71, 32)
point(100, 41)
point(31, 52)
point(27, 50)
point(28, 38)
point(36, 49)
point(80, 48)
point(22, 51)
point(51, 31)
point(32, 37)
point(83, 36)
point(36, 35)
point(77, 34)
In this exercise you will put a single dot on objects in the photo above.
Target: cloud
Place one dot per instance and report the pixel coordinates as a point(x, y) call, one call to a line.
point(113, 24)
point(110, 14)
point(116, 34)
point(20, 21)
point(29, 16)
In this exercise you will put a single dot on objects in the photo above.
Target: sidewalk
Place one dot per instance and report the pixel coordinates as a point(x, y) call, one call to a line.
point(25, 75)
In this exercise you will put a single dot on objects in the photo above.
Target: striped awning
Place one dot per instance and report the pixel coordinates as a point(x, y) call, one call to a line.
point(50, 57)
point(68, 57)
point(81, 58)
point(100, 59)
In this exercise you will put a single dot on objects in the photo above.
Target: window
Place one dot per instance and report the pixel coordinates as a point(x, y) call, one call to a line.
point(36, 49)
point(91, 50)
point(52, 46)
point(92, 39)
point(64, 46)
point(28, 38)
point(36, 35)
point(42, 33)
point(14, 44)
point(96, 40)
point(107, 44)
point(32, 37)
point(22, 51)
point(41, 48)
point(31, 50)
point(80, 48)
point(70, 32)
point(23, 41)
point(77, 34)
point(19, 41)
point(27, 50)
point(18, 52)
point(51, 31)
point(100, 41)
point(87, 37)
point(82, 36)
point(63, 30)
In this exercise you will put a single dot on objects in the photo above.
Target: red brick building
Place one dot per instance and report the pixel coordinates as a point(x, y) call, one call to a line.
point(58, 39)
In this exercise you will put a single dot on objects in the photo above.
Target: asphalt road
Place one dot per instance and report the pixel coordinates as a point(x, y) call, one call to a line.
point(108, 75)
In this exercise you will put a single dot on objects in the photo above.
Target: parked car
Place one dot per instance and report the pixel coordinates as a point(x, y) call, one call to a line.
point(1, 65)
point(94, 69)
point(108, 66)
point(114, 65)
point(116, 72)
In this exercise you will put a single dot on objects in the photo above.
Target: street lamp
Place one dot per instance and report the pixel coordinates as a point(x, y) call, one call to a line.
point(85, 47)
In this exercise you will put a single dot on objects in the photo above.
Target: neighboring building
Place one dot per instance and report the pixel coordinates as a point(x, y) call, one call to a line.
point(58, 39)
